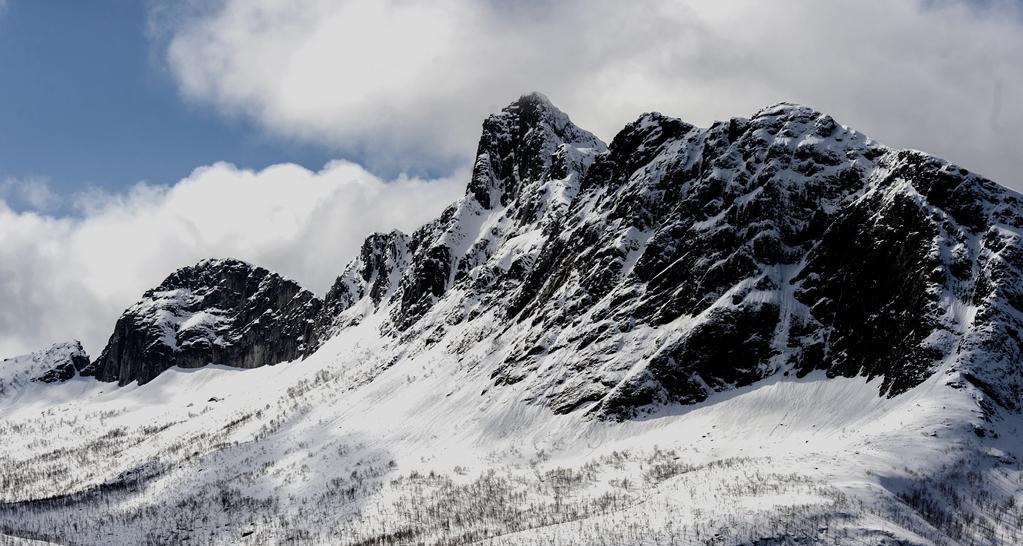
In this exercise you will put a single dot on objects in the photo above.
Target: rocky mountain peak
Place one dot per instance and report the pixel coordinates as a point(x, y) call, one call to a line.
point(521, 143)
point(56, 364)
point(65, 360)
point(217, 311)
point(209, 273)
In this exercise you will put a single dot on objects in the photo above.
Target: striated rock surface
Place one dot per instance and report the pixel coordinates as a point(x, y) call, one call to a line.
point(215, 312)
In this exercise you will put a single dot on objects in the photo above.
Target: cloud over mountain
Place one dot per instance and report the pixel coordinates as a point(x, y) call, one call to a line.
point(72, 275)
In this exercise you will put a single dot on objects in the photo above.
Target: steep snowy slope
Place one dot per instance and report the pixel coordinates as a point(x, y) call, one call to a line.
point(773, 329)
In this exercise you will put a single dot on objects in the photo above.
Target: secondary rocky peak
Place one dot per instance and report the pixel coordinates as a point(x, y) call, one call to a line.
point(219, 311)
point(648, 131)
point(66, 360)
point(209, 272)
point(56, 364)
point(520, 144)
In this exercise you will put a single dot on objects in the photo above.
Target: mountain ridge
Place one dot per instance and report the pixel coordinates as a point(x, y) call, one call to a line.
point(750, 231)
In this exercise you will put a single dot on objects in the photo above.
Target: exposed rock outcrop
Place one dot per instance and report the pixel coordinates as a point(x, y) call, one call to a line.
point(216, 312)
point(57, 364)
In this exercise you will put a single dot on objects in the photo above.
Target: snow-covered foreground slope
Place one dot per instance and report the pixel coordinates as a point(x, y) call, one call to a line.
point(342, 448)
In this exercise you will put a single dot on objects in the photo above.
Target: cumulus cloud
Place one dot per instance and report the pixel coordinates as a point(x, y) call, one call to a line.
point(31, 192)
point(71, 276)
point(405, 84)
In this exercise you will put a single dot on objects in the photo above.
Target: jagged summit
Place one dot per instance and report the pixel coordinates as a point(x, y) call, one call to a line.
point(534, 112)
point(204, 272)
point(529, 140)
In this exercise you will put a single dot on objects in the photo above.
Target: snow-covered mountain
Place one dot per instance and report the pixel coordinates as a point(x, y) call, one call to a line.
point(218, 311)
point(770, 331)
point(59, 363)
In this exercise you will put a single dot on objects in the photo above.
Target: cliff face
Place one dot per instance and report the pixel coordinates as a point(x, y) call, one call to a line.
point(216, 312)
point(674, 263)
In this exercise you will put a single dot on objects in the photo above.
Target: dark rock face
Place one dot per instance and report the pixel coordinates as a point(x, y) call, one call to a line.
point(216, 312)
point(521, 144)
point(373, 275)
point(725, 350)
point(873, 278)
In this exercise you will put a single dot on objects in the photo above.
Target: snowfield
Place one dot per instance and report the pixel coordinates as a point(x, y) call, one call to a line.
point(343, 448)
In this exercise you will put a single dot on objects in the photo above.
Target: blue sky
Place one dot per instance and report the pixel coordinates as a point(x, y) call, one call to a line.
point(86, 101)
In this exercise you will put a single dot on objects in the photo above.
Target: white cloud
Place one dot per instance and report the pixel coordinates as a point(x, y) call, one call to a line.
point(405, 84)
point(31, 192)
point(71, 276)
